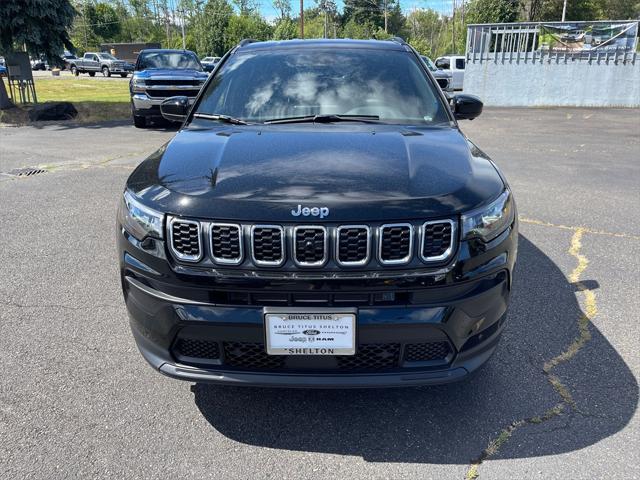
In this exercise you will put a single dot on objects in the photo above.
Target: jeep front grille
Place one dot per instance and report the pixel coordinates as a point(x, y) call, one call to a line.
point(310, 246)
point(226, 243)
point(437, 239)
point(267, 245)
point(396, 243)
point(185, 239)
point(353, 244)
point(331, 247)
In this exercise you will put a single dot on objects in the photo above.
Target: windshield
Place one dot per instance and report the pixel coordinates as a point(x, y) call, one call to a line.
point(207, 59)
point(106, 56)
point(271, 85)
point(430, 64)
point(181, 60)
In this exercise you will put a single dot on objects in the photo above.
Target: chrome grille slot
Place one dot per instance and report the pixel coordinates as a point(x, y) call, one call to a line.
point(185, 242)
point(353, 245)
point(395, 243)
point(310, 246)
point(267, 245)
point(437, 240)
point(226, 243)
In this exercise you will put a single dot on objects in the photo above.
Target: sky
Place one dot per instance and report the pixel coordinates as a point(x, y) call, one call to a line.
point(442, 6)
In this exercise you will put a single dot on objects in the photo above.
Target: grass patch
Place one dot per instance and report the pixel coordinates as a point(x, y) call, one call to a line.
point(85, 90)
point(96, 100)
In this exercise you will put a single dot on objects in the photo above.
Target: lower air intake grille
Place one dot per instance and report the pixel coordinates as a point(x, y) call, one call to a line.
point(267, 244)
point(353, 245)
point(251, 355)
point(422, 352)
point(373, 356)
point(437, 240)
point(395, 243)
point(185, 240)
point(226, 246)
point(310, 245)
point(189, 347)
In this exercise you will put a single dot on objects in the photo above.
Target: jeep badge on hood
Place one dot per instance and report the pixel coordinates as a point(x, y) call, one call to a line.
point(314, 211)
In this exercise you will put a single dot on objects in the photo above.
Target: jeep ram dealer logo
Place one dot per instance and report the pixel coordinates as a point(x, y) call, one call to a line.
point(313, 211)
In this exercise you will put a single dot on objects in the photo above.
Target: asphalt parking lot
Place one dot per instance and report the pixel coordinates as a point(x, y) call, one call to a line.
point(558, 400)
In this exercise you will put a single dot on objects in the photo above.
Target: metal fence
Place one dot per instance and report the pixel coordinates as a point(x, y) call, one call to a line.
point(520, 42)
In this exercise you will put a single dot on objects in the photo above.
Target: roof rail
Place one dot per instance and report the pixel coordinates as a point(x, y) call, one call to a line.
point(246, 41)
point(399, 40)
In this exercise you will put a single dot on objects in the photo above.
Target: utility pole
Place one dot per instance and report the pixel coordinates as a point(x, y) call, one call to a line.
point(564, 10)
point(301, 18)
point(453, 26)
point(386, 19)
point(184, 43)
point(326, 25)
point(84, 17)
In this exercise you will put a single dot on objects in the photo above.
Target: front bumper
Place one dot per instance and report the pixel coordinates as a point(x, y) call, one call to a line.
point(149, 106)
point(465, 308)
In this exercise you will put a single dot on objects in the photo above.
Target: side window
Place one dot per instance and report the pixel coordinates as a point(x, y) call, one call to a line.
point(95, 58)
point(443, 63)
point(459, 63)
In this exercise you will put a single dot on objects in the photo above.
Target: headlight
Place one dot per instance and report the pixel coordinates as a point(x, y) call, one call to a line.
point(487, 223)
point(138, 84)
point(139, 220)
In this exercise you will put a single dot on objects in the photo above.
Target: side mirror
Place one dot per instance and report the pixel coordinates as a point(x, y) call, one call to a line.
point(175, 109)
point(466, 107)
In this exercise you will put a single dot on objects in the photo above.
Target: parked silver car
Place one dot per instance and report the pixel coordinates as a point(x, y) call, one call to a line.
point(442, 76)
point(106, 63)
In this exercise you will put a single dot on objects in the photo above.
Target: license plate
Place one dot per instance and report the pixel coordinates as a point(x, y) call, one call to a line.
point(310, 333)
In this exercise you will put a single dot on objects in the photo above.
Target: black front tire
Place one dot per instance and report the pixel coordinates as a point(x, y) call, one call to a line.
point(106, 72)
point(138, 120)
point(92, 74)
point(124, 75)
point(74, 71)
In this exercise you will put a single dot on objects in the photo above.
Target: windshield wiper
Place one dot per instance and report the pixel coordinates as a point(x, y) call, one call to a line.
point(326, 119)
point(221, 118)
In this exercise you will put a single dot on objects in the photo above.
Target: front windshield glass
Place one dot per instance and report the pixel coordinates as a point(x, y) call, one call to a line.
point(257, 86)
point(106, 56)
point(430, 64)
point(181, 60)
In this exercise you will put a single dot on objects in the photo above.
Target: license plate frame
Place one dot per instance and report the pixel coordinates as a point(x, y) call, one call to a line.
point(285, 331)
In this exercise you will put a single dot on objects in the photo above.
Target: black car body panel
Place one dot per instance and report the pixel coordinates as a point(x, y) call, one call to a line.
point(426, 320)
point(360, 173)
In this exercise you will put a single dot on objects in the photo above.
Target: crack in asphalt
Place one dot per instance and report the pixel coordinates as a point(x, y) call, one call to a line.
point(53, 305)
point(584, 335)
point(54, 167)
point(532, 221)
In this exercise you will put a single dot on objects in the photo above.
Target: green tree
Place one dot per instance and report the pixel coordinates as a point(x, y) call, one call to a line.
point(364, 13)
point(286, 29)
point(283, 7)
point(40, 26)
point(212, 25)
point(105, 21)
point(493, 11)
point(353, 29)
point(621, 9)
point(247, 26)
point(576, 10)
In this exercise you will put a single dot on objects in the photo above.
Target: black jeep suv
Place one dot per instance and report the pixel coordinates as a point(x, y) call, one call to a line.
point(318, 221)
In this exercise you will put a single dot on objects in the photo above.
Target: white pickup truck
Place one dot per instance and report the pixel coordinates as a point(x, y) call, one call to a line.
point(105, 63)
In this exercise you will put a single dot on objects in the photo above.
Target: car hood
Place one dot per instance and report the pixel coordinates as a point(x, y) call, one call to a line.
point(361, 172)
